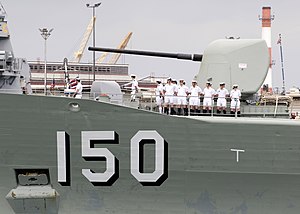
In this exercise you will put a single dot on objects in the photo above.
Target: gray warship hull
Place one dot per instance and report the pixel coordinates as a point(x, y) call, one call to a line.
point(209, 165)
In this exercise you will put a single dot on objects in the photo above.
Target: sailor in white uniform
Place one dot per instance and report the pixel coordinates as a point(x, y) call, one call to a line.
point(78, 89)
point(235, 96)
point(194, 100)
point(174, 82)
point(134, 87)
point(23, 84)
point(208, 93)
point(159, 95)
point(182, 92)
point(222, 93)
point(169, 91)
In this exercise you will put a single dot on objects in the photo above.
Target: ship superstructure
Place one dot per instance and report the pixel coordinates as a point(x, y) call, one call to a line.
point(12, 70)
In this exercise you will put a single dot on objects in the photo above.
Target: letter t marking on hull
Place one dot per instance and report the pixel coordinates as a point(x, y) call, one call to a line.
point(237, 153)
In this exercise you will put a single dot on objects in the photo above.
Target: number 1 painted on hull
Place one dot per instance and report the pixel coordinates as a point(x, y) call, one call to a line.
point(63, 158)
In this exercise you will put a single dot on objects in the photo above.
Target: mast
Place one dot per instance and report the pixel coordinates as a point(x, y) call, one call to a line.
point(282, 67)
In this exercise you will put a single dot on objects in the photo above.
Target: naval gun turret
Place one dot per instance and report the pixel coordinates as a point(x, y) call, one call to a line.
point(235, 61)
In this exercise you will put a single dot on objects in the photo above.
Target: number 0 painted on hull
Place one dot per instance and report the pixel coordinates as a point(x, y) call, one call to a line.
point(161, 167)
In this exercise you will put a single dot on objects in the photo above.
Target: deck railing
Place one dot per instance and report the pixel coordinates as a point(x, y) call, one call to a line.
point(149, 103)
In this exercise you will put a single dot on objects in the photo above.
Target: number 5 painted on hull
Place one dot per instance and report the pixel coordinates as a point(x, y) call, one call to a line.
point(89, 153)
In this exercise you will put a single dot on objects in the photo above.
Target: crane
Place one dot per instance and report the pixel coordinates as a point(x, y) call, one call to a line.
point(78, 54)
point(102, 57)
point(116, 57)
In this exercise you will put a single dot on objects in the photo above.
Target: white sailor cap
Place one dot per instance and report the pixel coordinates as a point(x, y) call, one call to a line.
point(222, 83)
point(169, 78)
point(133, 75)
point(181, 80)
point(174, 80)
point(208, 83)
point(194, 81)
point(159, 81)
point(235, 86)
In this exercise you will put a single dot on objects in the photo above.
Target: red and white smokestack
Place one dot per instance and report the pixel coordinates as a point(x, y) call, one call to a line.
point(266, 35)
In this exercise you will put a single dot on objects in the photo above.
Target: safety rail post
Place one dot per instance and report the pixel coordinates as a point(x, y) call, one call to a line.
point(276, 106)
point(265, 105)
point(212, 106)
point(151, 104)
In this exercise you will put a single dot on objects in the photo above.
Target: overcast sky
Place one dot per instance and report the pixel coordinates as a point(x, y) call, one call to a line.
point(158, 25)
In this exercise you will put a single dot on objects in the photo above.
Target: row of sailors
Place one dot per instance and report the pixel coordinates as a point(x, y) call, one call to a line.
point(173, 96)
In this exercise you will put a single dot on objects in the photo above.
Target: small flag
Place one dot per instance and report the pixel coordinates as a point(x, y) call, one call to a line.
point(279, 40)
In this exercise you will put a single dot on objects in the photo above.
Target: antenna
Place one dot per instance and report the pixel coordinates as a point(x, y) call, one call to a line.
point(2, 10)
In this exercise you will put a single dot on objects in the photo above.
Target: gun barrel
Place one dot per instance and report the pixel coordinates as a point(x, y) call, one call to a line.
point(192, 57)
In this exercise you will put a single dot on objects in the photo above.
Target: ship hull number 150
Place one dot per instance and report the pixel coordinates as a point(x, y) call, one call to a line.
point(89, 153)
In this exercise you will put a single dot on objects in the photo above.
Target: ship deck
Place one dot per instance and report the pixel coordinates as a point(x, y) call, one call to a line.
point(246, 120)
